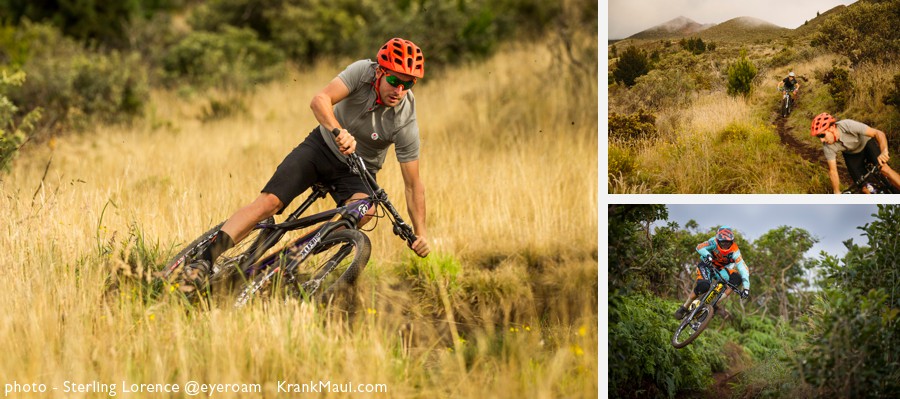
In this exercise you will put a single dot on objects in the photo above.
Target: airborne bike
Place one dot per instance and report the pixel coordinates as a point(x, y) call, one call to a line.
point(320, 264)
point(701, 310)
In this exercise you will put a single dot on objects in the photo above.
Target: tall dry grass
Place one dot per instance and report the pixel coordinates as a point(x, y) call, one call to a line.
point(717, 144)
point(504, 307)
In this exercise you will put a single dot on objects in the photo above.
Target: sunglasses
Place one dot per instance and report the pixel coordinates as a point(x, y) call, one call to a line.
point(821, 135)
point(395, 81)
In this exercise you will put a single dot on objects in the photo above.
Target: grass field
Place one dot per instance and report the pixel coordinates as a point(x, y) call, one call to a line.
point(505, 306)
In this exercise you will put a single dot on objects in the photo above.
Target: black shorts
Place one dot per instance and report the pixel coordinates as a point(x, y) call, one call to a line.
point(309, 163)
point(856, 163)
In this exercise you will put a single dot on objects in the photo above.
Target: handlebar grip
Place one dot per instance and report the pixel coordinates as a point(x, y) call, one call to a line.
point(335, 132)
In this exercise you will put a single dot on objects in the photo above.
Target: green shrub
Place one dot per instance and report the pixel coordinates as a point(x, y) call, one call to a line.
point(740, 76)
point(221, 109)
point(893, 96)
point(232, 59)
point(632, 127)
point(642, 361)
point(621, 161)
point(735, 132)
point(102, 22)
point(695, 45)
point(661, 89)
point(448, 32)
point(840, 87)
point(864, 32)
point(782, 58)
point(854, 339)
point(12, 134)
point(632, 64)
point(75, 86)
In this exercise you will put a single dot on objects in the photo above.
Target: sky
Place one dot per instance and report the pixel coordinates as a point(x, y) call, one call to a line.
point(831, 223)
point(627, 17)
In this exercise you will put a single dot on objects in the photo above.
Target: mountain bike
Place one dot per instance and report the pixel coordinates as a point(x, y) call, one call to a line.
point(702, 309)
point(872, 182)
point(321, 263)
point(787, 102)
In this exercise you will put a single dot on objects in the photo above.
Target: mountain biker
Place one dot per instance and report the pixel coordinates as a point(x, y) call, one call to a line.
point(853, 140)
point(790, 84)
point(372, 105)
point(725, 256)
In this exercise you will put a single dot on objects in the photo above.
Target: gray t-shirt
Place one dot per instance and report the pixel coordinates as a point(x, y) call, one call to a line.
point(853, 139)
point(374, 126)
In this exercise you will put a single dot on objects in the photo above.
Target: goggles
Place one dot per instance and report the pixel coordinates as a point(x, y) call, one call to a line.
point(395, 81)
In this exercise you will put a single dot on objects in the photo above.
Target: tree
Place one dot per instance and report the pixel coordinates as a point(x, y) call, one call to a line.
point(629, 242)
point(695, 45)
point(853, 344)
point(778, 266)
point(632, 64)
point(740, 76)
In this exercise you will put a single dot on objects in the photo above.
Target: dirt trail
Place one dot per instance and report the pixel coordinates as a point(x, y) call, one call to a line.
point(809, 153)
point(721, 388)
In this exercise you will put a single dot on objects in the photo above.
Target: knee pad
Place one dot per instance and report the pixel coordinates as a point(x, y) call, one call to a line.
point(701, 287)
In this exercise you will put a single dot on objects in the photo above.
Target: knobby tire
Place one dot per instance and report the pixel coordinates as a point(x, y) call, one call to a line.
point(228, 262)
point(336, 263)
point(685, 323)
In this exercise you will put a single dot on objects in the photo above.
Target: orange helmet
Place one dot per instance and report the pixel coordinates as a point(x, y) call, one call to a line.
point(725, 240)
point(402, 56)
point(820, 123)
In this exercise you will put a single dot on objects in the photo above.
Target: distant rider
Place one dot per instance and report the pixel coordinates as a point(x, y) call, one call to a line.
point(790, 84)
point(723, 253)
point(853, 140)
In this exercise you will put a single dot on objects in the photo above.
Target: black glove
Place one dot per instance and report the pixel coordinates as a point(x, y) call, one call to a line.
point(745, 293)
point(708, 259)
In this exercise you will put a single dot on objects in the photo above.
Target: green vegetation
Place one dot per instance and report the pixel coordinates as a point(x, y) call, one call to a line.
point(839, 86)
point(632, 64)
point(740, 76)
point(12, 134)
point(845, 61)
point(854, 326)
point(695, 45)
point(835, 337)
point(93, 61)
point(864, 32)
point(642, 362)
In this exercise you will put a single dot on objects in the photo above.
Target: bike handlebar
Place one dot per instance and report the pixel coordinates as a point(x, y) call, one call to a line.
point(713, 271)
point(858, 184)
point(358, 167)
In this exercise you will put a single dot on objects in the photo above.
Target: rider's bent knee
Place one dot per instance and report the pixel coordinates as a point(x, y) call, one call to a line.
point(701, 287)
point(268, 204)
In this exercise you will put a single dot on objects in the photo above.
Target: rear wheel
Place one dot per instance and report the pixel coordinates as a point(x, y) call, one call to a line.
point(692, 325)
point(328, 272)
point(227, 264)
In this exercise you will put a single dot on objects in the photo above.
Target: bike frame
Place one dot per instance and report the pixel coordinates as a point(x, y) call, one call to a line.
point(872, 175)
point(350, 215)
point(715, 292)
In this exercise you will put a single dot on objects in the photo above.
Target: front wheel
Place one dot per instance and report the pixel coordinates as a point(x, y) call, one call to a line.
point(332, 268)
point(692, 325)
